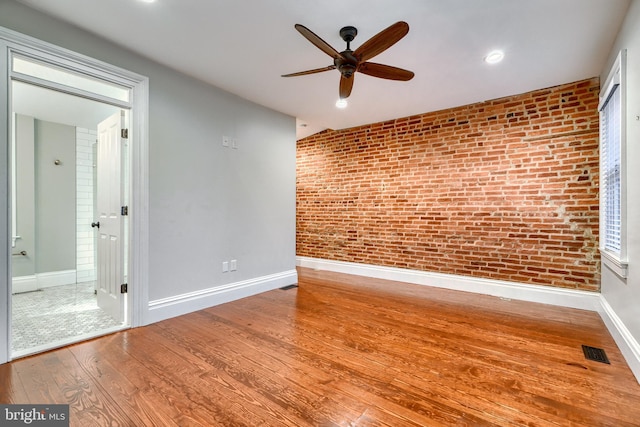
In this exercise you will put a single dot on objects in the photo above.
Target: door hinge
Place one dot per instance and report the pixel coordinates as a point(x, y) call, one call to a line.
point(124, 210)
point(123, 288)
point(124, 133)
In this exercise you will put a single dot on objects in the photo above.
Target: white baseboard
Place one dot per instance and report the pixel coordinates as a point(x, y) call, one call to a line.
point(178, 305)
point(542, 294)
point(627, 344)
point(56, 278)
point(591, 301)
point(23, 284)
point(42, 280)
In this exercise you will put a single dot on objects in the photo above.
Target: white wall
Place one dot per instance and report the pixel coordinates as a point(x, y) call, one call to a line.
point(85, 235)
point(207, 203)
point(624, 295)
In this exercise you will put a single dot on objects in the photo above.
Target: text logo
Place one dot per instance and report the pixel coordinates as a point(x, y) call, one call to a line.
point(34, 415)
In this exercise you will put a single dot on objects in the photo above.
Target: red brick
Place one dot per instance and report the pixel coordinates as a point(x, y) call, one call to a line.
point(498, 190)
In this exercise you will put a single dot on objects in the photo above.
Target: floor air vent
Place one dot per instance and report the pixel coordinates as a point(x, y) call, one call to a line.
point(286, 288)
point(597, 354)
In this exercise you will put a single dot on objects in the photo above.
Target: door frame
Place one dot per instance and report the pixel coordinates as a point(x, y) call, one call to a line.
point(138, 238)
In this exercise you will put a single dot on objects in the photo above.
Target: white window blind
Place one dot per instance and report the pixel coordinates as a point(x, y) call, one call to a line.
point(610, 139)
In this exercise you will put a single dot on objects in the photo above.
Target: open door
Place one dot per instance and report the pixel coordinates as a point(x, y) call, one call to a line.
point(110, 224)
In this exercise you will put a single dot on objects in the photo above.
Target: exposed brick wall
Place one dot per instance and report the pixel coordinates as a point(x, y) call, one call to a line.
point(505, 189)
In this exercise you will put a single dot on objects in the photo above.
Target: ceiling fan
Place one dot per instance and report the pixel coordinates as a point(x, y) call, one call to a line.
point(349, 62)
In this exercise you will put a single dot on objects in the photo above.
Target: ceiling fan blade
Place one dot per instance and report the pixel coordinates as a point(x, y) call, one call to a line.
point(385, 71)
point(318, 42)
point(346, 84)
point(382, 41)
point(316, 70)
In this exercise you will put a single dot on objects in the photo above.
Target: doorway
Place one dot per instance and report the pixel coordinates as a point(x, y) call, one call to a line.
point(55, 258)
point(25, 60)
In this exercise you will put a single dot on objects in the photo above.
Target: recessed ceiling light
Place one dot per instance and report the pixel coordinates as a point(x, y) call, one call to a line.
point(341, 103)
point(494, 57)
point(147, 1)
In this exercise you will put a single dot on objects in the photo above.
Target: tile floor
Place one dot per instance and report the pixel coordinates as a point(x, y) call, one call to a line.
point(54, 314)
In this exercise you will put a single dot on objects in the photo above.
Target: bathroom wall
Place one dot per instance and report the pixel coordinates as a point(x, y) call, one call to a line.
point(46, 204)
point(24, 266)
point(55, 172)
point(85, 235)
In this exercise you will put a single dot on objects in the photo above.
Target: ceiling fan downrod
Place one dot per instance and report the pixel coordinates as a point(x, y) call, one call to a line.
point(347, 63)
point(347, 34)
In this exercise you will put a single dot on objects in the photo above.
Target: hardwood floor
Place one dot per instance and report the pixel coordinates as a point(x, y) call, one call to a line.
point(342, 350)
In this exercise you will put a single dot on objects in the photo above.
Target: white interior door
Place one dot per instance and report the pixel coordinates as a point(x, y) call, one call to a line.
point(110, 229)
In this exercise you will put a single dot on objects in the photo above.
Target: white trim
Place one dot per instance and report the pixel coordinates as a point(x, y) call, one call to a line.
point(138, 260)
point(614, 78)
point(178, 305)
point(617, 76)
point(629, 347)
point(71, 60)
point(503, 289)
point(614, 264)
point(14, 200)
point(51, 279)
point(23, 284)
point(5, 214)
point(138, 214)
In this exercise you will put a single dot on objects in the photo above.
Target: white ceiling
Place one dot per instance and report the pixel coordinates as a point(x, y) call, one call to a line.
point(243, 46)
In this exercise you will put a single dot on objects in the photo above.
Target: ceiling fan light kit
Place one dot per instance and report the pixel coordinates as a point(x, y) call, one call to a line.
point(494, 57)
point(341, 103)
point(349, 62)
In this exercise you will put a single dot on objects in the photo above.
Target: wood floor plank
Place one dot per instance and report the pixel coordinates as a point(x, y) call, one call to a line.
point(476, 348)
point(11, 388)
point(36, 374)
point(253, 366)
point(119, 388)
point(87, 399)
point(241, 384)
point(158, 394)
point(205, 402)
point(256, 317)
point(342, 350)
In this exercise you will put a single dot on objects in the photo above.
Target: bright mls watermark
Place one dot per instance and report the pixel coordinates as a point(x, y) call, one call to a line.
point(34, 415)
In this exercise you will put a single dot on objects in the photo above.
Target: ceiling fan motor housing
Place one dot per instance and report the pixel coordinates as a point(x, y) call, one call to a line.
point(348, 64)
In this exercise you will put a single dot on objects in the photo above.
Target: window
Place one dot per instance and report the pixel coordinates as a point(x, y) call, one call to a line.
point(612, 178)
point(610, 152)
point(58, 75)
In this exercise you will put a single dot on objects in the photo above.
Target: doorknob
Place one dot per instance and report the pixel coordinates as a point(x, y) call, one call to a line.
point(95, 224)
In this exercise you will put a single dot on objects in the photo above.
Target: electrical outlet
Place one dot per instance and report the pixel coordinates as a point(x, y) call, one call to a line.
point(225, 141)
point(225, 266)
point(233, 265)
